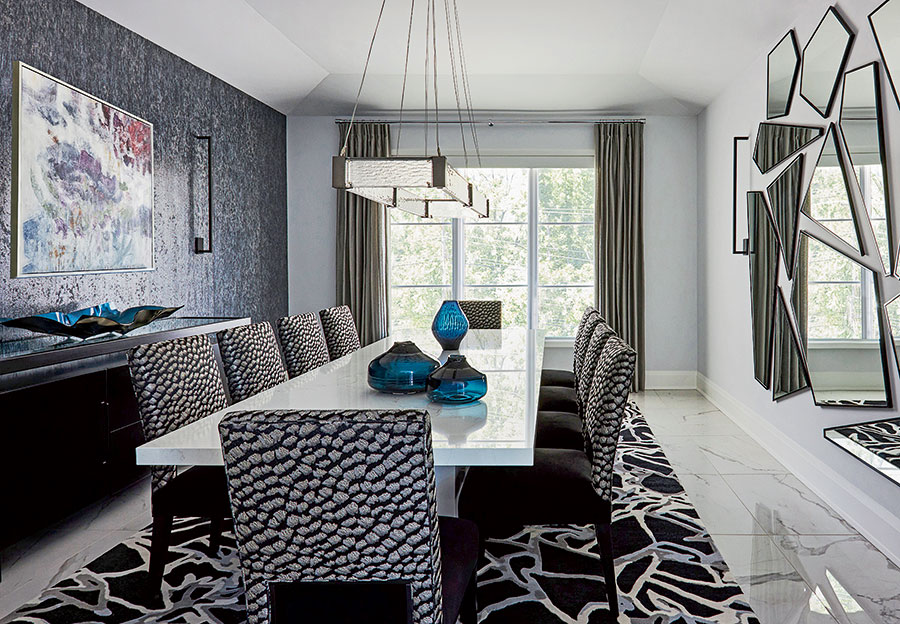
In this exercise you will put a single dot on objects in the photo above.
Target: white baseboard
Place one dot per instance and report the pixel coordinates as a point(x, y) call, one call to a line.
point(670, 380)
point(864, 513)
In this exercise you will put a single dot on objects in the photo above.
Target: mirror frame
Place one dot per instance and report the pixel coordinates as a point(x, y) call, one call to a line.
point(887, 69)
point(789, 261)
point(799, 149)
point(786, 309)
point(840, 70)
point(794, 78)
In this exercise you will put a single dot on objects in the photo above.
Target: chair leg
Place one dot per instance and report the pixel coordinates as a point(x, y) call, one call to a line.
point(468, 613)
point(159, 548)
point(215, 534)
point(604, 540)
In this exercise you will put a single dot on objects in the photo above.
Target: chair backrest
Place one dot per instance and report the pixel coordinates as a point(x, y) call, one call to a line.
point(483, 313)
point(175, 382)
point(341, 335)
point(586, 327)
point(302, 343)
point(251, 359)
point(334, 496)
point(602, 333)
point(605, 411)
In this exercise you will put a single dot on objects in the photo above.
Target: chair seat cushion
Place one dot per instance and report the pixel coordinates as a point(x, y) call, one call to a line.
point(555, 490)
point(557, 377)
point(459, 558)
point(561, 430)
point(557, 399)
point(198, 491)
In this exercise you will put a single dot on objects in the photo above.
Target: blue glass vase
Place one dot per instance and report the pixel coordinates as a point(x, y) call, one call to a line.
point(450, 325)
point(456, 382)
point(402, 369)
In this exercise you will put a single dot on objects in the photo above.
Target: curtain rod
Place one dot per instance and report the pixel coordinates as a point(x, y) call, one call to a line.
point(497, 122)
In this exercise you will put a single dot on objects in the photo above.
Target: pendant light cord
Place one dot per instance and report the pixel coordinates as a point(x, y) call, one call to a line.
point(412, 11)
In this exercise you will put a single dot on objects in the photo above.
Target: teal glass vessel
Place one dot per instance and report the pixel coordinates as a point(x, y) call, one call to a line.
point(402, 369)
point(450, 325)
point(456, 382)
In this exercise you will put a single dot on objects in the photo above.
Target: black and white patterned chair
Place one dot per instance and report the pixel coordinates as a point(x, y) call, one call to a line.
point(302, 343)
point(562, 398)
point(351, 498)
point(251, 359)
point(564, 486)
point(483, 313)
point(341, 334)
point(566, 378)
point(177, 382)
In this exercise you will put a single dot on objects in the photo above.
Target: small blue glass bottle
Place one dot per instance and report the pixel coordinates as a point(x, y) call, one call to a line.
point(450, 325)
point(456, 382)
point(402, 369)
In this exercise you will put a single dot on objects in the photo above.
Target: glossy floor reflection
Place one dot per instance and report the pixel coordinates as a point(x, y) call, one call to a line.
point(795, 558)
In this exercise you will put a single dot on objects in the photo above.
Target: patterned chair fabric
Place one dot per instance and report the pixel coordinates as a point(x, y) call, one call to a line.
point(340, 331)
point(558, 377)
point(483, 313)
point(251, 359)
point(350, 498)
point(302, 343)
point(590, 363)
point(175, 382)
point(581, 341)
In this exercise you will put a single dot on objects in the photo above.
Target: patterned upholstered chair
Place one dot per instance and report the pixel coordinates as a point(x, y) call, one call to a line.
point(177, 382)
point(564, 486)
point(351, 499)
point(562, 398)
point(340, 331)
point(558, 376)
point(483, 313)
point(251, 359)
point(302, 343)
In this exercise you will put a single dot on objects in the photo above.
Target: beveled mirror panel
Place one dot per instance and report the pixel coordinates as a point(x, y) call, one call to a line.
point(783, 66)
point(789, 373)
point(763, 276)
point(784, 197)
point(823, 61)
point(885, 22)
point(893, 314)
point(776, 143)
point(862, 130)
point(828, 199)
point(837, 313)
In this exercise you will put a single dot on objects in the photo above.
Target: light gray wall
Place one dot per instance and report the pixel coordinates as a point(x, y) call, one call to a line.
point(792, 427)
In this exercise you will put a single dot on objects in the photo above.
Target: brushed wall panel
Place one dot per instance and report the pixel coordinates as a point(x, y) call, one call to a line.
point(246, 275)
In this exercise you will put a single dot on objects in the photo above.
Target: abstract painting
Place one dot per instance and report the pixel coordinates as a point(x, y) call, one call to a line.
point(82, 180)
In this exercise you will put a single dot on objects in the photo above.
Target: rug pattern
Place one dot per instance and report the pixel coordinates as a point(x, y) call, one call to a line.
point(668, 569)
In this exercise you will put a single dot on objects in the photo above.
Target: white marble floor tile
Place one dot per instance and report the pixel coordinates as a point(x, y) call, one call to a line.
point(738, 455)
point(720, 510)
point(783, 505)
point(668, 423)
point(685, 456)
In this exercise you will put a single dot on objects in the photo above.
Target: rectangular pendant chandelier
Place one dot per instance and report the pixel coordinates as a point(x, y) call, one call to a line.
point(426, 186)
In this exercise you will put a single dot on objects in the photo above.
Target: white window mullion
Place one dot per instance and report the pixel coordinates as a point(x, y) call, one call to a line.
point(533, 301)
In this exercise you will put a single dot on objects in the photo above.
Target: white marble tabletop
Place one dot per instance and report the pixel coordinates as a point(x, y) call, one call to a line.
point(498, 430)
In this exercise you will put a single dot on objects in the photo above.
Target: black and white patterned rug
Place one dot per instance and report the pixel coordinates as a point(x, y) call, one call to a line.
point(668, 569)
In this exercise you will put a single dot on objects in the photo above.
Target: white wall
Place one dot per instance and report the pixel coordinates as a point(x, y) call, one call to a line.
point(670, 216)
point(792, 428)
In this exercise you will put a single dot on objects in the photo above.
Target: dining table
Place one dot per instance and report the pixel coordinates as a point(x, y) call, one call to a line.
point(497, 430)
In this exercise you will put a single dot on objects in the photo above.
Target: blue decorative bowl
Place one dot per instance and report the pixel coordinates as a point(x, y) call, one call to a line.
point(402, 369)
point(450, 325)
point(456, 382)
point(90, 322)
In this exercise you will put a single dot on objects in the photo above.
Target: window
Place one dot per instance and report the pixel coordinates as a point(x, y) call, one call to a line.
point(535, 252)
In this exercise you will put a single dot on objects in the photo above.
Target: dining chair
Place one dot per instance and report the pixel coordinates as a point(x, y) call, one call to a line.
point(251, 359)
point(302, 343)
point(563, 486)
point(561, 377)
point(177, 382)
point(562, 398)
point(341, 335)
point(351, 499)
point(483, 313)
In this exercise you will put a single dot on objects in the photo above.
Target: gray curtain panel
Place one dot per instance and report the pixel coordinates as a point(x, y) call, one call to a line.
point(362, 252)
point(619, 240)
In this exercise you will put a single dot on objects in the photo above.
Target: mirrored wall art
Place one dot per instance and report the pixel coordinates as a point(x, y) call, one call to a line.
point(784, 197)
point(823, 61)
point(837, 312)
point(861, 127)
point(828, 199)
point(885, 22)
point(789, 372)
point(876, 443)
point(783, 67)
point(775, 143)
point(763, 276)
point(893, 314)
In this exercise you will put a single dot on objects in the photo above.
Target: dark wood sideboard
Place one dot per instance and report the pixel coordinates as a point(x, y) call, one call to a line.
point(69, 423)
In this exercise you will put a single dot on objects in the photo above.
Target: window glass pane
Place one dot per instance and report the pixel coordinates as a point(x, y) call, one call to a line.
point(507, 190)
point(560, 309)
point(421, 254)
point(496, 254)
point(835, 311)
point(515, 302)
point(414, 308)
point(565, 195)
point(826, 265)
point(565, 254)
point(396, 215)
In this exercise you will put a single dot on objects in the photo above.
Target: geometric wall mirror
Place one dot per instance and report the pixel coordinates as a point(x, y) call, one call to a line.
point(862, 129)
point(782, 68)
point(837, 312)
point(775, 143)
point(828, 199)
point(784, 197)
point(885, 22)
point(763, 274)
point(893, 314)
point(789, 373)
point(823, 61)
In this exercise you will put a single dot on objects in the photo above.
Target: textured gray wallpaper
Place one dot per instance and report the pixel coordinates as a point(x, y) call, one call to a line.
point(246, 275)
